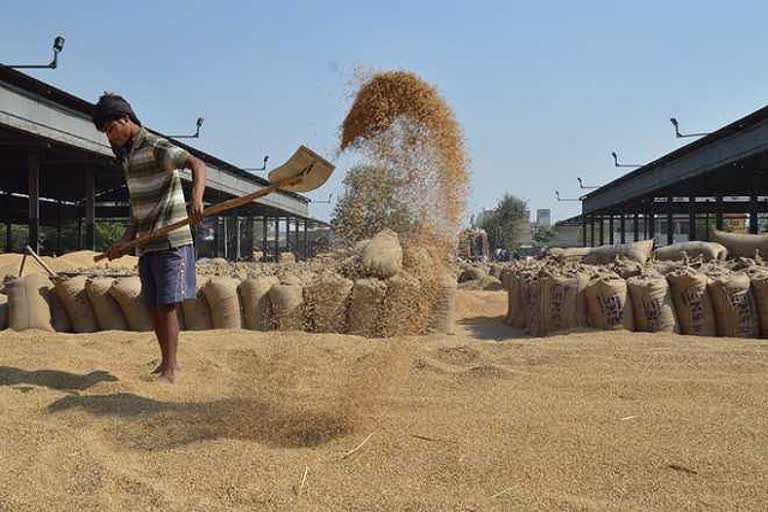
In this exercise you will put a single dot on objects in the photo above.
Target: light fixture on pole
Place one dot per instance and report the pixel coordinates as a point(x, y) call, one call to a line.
point(195, 135)
point(557, 195)
point(58, 46)
point(684, 135)
point(617, 164)
point(262, 168)
point(581, 184)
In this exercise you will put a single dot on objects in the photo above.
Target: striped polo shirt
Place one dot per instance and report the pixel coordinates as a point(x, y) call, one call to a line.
point(154, 189)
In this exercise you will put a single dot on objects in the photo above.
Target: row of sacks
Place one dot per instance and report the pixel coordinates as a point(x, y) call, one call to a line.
point(721, 246)
point(684, 301)
point(328, 302)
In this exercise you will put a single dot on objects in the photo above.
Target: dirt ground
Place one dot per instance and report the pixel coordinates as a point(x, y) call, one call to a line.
point(484, 420)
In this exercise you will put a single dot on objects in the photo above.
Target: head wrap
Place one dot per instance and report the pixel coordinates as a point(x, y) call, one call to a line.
point(111, 107)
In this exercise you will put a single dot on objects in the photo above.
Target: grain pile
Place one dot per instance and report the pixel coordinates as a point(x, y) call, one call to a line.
point(273, 421)
point(402, 124)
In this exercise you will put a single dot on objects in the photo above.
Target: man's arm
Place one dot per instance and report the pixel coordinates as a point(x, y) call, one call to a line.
point(118, 248)
point(198, 188)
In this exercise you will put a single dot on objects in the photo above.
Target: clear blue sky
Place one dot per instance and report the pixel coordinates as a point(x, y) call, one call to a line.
point(544, 90)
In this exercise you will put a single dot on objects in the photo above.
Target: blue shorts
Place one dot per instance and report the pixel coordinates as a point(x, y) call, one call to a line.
point(168, 276)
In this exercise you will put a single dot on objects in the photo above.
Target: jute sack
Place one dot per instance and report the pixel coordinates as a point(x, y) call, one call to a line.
point(708, 250)
point(221, 293)
point(364, 305)
point(740, 244)
point(496, 271)
point(652, 304)
point(760, 290)
point(605, 254)
point(3, 311)
point(326, 300)
point(444, 305)
point(472, 274)
point(28, 306)
point(286, 301)
point(71, 292)
point(559, 303)
point(734, 305)
point(127, 293)
point(197, 312)
point(287, 257)
point(404, 311)
point(609, 304)
point(529, 297)
point(59, 317)
point(511, 282)
point(109, 316)
point(693, 305)
point(254, 296)
point(383, 256)
point(569, 254)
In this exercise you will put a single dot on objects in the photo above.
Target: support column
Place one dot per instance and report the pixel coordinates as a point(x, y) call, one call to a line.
point(670, 221)
point(692, 218)
point(636, 227)
point(33, 164)
point(296, 233)
point(90, 209)
point(651, 219)
point(592, 231)
point(8, 223)
point(753, 221)
point(225, 237)
point(610, 229)
point(238, 246)
point(59, 208)
point(306, 239)
point(623, 228)
point(706, 226)
point(583, 231)
point(602, 229)
point(264, 231)
point(277, 238)
point(719, 212)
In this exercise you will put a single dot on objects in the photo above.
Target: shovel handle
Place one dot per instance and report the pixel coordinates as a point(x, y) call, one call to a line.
point(211, 210)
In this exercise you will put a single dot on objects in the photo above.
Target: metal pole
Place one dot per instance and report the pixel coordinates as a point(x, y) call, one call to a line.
point(264, 229)
point(670, 221)
point(719, 212)
point(8, 223)
point(33, 163)
point(636, 226)
point(277, 238)
point(692, 218)
point(90, 210)
point(58, 228)
point(610, 227)
point(623, 228)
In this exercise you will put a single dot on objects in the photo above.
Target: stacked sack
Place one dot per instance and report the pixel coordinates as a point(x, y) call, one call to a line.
point(379, 290)
point(688, 289)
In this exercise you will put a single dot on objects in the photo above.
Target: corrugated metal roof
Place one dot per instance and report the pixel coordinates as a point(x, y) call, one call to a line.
point(38, 87)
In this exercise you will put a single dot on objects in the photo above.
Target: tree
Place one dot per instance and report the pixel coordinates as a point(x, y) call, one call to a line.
point(369, 203)
point(507, 224)
point(544, 234)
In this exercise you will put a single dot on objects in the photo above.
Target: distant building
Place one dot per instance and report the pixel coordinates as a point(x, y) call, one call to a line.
point(544, 217)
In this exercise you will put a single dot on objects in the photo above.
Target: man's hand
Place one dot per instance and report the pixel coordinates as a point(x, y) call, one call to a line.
point(117, 250)
point(196, 210)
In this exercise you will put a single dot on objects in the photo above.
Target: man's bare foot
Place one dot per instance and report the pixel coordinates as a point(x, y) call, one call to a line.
point(167, 377)
point(161, 368)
